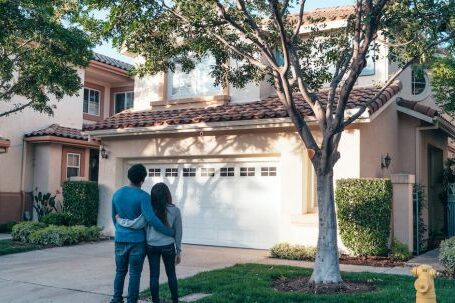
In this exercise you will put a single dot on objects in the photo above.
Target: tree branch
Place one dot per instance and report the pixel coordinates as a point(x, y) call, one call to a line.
point(16, 109)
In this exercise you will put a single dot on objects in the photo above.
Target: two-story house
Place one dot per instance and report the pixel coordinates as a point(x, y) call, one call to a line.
point(39, 152)
point(237, 168)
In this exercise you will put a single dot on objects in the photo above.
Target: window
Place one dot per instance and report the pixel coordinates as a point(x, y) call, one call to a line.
point(268, 171)
point(369, 69)
point(419, 81)
point(123, 101)
point(189, 172)
point(227, 172)
point(207, 172)
point(73, 165)
point(247, 171)
point(171, 172)
point(198, 82)
point(154, 172)
point(91, 102)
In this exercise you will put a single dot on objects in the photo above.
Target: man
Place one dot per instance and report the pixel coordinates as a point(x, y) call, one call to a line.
point(129, 202)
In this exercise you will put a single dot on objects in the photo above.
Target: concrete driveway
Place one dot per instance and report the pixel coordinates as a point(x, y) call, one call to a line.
point(85, 273)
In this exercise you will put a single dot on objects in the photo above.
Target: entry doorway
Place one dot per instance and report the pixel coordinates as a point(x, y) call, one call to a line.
point(437, 215)
point(94, 164)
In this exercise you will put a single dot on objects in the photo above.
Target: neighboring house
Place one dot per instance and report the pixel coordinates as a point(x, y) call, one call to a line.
point(43, 151)
point(237, 168)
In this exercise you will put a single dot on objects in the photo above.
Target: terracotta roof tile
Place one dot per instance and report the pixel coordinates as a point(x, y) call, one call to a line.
point(416, 106)
point(268, 108)
point(111, 61)
point(59, 131)
point(328, 14)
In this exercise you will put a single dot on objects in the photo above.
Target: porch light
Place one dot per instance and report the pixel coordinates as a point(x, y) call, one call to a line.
point(385, 161)
point(103, 153)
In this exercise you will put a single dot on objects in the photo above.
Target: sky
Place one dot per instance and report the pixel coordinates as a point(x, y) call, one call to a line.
point(108, 50)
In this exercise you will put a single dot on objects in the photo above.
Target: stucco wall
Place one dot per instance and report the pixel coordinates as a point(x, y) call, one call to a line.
point(68, 113)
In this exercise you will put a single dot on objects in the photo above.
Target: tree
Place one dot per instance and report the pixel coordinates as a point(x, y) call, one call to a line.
point(266, 41)
point(39, 53)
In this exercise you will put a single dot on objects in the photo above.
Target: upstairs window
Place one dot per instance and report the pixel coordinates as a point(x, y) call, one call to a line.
point(91, 101)
point(197, 83)
point(419, 81)
point(123, 101)
point(369, 69)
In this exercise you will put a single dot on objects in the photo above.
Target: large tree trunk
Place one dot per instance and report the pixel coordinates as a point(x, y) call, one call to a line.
point(327, 266)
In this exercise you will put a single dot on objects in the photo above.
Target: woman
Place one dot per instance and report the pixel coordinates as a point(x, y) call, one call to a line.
point(159, 245)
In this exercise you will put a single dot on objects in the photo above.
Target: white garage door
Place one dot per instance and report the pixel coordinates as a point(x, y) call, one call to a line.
point(224, 203)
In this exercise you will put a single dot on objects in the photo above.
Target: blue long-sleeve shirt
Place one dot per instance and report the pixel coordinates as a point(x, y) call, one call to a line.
point(130, 202)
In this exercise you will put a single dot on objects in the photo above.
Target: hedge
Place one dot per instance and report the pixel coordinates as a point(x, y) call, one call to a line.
point(61, 218)
point(22, 231)
point(447, 255)
point(80, 200)
point(364, 208)
point(64, 235)
point(293, 252)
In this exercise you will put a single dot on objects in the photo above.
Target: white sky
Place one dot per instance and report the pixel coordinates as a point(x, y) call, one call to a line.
point(108, 50)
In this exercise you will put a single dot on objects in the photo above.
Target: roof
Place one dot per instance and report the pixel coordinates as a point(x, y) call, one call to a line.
point(420, 108)
point(112, 62)
point(271, 107)
point(328, 14)
point(56, 130)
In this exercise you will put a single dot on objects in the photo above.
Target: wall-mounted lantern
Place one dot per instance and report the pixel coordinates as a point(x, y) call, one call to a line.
point(103, 153)
point(385, 161)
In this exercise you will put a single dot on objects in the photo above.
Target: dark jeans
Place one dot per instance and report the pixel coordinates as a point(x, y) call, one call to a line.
point(128, 255)
point(154, 254)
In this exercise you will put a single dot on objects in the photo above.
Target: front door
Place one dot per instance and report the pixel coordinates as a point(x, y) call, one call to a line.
point(436, 209)
point(94, 164)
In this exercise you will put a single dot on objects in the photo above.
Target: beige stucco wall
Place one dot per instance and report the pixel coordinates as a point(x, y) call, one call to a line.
point(297, 225)
point(68, 113)
point(47, 167)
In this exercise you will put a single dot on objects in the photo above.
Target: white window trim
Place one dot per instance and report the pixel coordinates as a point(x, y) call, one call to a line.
point(99, 102)
point(124, 101)
point(71, 166)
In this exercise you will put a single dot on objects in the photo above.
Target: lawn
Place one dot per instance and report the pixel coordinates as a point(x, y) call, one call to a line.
point(251, 283)
point(11, 247)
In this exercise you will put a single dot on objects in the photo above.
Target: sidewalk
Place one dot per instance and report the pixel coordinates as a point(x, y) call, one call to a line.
point(5, 237)
point(429, 258)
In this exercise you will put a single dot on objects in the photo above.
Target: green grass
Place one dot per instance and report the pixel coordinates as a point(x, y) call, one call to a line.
point(11, 247)
point(251, 283)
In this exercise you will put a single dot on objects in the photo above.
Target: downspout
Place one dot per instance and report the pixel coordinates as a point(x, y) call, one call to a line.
point(22, 187)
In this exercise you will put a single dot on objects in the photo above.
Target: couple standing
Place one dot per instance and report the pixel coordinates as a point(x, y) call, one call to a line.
point(145, 225)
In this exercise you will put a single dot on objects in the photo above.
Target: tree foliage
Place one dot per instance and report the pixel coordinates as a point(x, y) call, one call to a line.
point(39, 53)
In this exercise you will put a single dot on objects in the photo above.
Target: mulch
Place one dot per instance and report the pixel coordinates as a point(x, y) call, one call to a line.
point(371, 261)
point(302, 284)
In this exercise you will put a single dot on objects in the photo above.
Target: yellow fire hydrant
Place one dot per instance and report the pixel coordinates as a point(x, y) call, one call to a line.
point(424, 285)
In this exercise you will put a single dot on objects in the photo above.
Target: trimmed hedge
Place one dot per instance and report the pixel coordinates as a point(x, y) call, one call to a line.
point(447, 255)
point(80, 200)
point(22, 231)
point(293, 252)
point(58, 219)
point(399, 251)
point(364, 208)
point(64, 235)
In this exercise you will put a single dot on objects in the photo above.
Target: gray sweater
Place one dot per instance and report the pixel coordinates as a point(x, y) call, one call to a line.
point(155, 238)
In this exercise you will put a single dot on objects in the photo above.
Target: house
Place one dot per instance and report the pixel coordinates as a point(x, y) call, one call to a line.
point(237, 168)
point(41, 152)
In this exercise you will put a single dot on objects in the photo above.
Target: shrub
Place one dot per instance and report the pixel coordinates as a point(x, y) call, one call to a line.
point(364, 212)
point(7, 227)
point(293, 252)
point(447, 255)
point(80, 200)
point(399, 251)
point(58, 219)
point(44, 204)
point(22, 231)
point(53, 236)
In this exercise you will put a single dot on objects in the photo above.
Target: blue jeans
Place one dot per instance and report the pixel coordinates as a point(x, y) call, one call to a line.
point(128, 255)
point(154, 254)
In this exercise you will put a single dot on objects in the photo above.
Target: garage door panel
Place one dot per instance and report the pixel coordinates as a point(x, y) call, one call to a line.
point(239, 211)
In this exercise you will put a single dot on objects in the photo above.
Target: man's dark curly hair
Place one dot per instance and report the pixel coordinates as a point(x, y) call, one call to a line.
point(137, 174)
